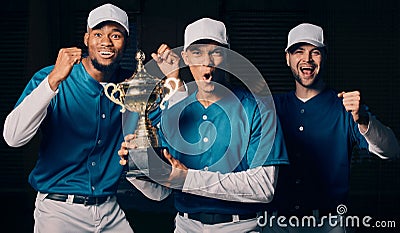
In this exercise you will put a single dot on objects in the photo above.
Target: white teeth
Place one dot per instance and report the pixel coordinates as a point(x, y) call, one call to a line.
point(306, 68)
point(105, 53)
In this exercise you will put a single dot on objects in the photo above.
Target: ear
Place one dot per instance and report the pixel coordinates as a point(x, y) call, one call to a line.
point(86, 38)
point(287, 59)
point(185, 57)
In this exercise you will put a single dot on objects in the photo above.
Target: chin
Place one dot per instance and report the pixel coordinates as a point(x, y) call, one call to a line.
point(104, 67)
point(310, 82)
point(209, 89)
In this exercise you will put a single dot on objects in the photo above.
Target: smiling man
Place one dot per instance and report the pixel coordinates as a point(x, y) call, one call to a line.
point(321, 127)
point(77, 172)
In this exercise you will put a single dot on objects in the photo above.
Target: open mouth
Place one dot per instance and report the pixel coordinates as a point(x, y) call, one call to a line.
point(307, 70)
point(106, 54)
point(207, 77)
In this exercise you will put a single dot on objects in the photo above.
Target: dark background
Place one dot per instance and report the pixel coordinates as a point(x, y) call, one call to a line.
point(363, 42)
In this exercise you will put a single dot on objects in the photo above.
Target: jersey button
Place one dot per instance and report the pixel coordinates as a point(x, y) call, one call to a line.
point(205, 139)
point(301, 128)
point(204, 117)
point(301, 110)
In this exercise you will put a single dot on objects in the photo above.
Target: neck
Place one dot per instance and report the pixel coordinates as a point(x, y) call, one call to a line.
point(206, 99)
point(309, 92)
point(95, 73)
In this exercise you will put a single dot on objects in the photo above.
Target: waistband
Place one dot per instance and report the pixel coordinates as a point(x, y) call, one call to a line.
point(78, 199)
point(210, 219)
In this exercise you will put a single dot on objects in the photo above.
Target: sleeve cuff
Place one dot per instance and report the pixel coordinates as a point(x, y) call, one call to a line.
point(47, 89)
point(188, 184)
point(371, 119)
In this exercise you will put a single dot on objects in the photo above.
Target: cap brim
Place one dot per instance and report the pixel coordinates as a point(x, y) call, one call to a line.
point(312, 42)
point(204, 38)
point(99, 21)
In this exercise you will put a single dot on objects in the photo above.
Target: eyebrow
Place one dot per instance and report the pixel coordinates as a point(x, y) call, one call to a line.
point(113, 30)
point(195, 47)
point(313, 49)
point(316, 49)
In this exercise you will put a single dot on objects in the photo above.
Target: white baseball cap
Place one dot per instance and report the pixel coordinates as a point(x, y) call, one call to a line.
point(205, 28)
point(306, 33)
point(108, 12)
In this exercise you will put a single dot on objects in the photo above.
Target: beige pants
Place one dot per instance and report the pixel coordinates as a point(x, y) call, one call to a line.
point(186, 225)
point(62, 217)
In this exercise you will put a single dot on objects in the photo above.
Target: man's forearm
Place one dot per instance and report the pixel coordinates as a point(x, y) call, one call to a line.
point(151, 190)
point(381, 140)
point(23, 122)
point(254, 185)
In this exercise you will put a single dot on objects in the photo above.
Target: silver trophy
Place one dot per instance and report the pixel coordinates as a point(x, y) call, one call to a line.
point(141, 94)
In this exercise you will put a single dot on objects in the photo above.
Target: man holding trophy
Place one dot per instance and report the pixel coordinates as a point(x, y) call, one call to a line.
point(224, 144)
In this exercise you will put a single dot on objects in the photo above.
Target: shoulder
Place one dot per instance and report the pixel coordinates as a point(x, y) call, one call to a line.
point(330, 92)
point(330, 95)
point(184, 105)
point(283, 99)
point(283, 96)
point(45, 70)
point(41, 74)
point(243, 94)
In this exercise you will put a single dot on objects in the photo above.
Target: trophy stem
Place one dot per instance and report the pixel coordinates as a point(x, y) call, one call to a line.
point(143, 93)
point(146, 134)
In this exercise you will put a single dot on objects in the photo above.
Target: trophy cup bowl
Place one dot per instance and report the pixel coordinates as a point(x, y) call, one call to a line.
point(141, 94)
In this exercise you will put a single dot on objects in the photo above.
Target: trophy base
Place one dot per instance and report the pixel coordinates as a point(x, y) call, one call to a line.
point(159, 166)
point(149, 164)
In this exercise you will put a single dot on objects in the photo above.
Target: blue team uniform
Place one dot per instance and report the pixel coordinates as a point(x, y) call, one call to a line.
point(320, 135)
point(224, 137)
point(81, 135)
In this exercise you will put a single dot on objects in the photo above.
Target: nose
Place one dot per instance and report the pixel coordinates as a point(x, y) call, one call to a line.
point(105, 41)
point(208, 60)
point(308, 57)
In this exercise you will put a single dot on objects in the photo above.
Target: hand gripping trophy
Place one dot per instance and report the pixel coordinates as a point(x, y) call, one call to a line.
point(141, 94)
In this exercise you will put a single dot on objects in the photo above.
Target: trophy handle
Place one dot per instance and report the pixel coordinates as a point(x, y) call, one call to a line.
point(115, 89)
point(171, 90)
